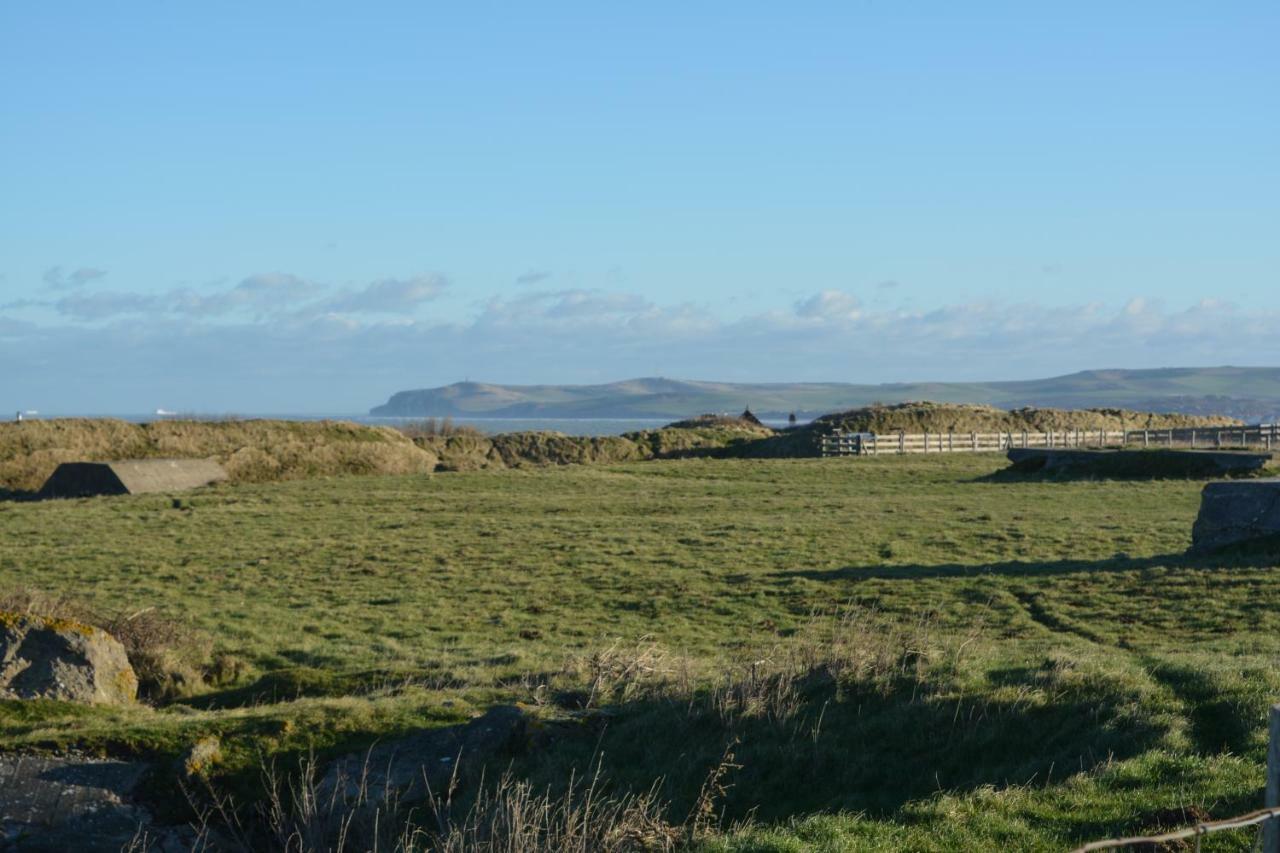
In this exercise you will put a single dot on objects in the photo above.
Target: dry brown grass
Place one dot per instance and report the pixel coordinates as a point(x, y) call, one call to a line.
point(299, 815)
point(856, 645)
point(586, 812)
point(925, 416)
point(251, 451)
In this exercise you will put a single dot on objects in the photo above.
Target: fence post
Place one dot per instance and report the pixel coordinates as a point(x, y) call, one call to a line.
point(1193, 439)
point(902, 442)
point(1271, 828)
point(973, 440)
point(1146, 438)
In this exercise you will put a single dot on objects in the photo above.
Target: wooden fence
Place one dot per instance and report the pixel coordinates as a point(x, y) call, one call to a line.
point(1264, 436)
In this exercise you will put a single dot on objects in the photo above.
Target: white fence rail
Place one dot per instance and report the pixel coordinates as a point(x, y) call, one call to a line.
point(1266, 436)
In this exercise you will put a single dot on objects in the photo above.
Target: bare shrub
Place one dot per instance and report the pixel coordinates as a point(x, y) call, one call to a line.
point(170, 657)
point(511, 817)
point(300, 815)
point(34, 602)
point(855, 647)
point(621, 672)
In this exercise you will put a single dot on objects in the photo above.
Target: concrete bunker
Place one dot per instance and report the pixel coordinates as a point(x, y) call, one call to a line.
point(1135, 464)
point(130, 477)
point(1238, 512)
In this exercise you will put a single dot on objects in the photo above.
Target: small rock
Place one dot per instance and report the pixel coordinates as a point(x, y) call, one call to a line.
point(62, 659)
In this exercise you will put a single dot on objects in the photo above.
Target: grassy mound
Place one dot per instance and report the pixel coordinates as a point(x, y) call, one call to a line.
point(952, 417)
point(472, 451)
point(266, 450)
point(928, 417)
point(251, 451)
point(746, 422)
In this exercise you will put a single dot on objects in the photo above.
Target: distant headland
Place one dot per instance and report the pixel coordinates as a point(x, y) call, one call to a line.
point(1251, 394)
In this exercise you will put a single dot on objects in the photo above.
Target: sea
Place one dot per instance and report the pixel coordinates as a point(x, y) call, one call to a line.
point(489, 426)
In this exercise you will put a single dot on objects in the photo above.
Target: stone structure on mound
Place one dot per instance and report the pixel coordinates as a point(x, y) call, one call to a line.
point(63, 660)
point(1237, 513)
point(130, 477)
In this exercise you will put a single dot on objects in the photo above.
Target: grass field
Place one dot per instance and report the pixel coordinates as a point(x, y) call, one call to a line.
point(949, 661)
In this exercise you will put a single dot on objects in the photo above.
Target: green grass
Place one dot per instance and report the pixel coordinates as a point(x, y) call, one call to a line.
point(1079, 677)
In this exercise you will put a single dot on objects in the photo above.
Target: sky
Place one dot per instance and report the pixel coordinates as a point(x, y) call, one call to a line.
point(305, 207)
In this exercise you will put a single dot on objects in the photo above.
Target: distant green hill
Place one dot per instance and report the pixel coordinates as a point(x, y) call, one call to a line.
point(1248, 393)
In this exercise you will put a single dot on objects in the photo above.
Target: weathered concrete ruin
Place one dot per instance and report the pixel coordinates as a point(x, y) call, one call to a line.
point(1136, 463)
point(130, 477)
point(1239, 512)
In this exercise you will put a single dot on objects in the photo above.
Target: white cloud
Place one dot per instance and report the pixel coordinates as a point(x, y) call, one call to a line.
point(100, 306)
point(263, 292)
point(269, 340)
point(532, 277)
point(55, 280)
point(390, 295)
point(829, 305)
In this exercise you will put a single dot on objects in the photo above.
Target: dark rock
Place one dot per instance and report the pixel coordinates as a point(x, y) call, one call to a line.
point(403, 768)
point(1235, 513)
point(64, 660)
point(63, 803)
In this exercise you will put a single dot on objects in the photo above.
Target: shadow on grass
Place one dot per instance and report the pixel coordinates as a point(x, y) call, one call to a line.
point(1242, 557)
point(856, 748)
point(288, 685)
point(1225, 714)
point(11, 495)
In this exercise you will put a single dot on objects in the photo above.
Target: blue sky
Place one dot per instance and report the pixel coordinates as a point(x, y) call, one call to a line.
point(305, 207)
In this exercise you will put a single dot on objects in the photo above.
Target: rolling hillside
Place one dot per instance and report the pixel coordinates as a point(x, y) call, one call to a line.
point(1247, 393)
